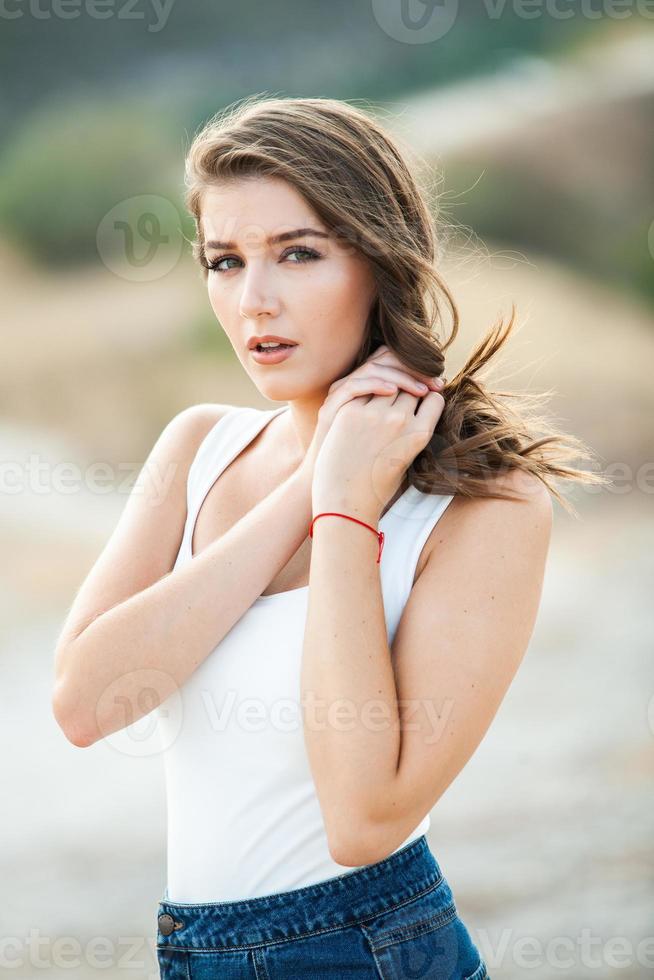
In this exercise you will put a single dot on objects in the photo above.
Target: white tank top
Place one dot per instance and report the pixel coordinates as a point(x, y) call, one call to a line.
point(243, 815)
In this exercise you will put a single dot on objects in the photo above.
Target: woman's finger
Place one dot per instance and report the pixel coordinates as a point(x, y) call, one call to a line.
point(429, 411)
point(388, 357)
point(398, 376)
point(354, 387)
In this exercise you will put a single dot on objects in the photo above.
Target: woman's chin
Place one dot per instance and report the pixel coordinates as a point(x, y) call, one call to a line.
point(277, 392)
point(280, 392)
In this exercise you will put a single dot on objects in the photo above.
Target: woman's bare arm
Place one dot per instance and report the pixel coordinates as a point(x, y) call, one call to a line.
point(419, 709)
point(160, 632)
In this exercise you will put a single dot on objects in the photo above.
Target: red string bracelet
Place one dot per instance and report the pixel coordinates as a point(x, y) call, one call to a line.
point(332, 513)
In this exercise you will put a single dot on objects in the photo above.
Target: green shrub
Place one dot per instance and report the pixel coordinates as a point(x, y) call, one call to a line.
point(71, 163)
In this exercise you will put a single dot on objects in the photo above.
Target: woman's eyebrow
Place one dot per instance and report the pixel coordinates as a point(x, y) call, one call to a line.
point(274, 239)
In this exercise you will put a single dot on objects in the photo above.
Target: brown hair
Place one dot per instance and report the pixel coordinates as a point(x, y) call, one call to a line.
point(361, 185)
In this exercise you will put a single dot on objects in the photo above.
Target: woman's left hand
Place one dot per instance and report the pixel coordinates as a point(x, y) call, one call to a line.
point(370, 444)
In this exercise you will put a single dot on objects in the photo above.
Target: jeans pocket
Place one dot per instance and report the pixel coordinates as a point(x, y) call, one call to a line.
point(423, 938)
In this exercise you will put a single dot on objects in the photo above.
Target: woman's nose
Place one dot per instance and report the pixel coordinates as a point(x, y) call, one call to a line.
point(257, 298)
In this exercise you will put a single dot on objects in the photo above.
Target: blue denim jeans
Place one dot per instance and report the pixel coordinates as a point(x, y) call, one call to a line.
point(395, 920)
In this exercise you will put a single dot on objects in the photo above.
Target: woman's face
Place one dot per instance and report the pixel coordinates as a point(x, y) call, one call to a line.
point(314, 290)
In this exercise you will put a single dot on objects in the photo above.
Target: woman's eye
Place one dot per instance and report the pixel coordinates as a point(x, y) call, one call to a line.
point(308, 253)
point(214, 266)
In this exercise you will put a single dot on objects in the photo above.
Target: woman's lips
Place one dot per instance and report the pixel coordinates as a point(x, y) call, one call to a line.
point(272, 356)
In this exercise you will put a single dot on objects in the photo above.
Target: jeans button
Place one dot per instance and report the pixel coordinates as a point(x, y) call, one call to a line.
point(166, 924)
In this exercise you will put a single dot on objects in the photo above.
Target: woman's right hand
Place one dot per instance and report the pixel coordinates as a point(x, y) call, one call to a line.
point(380, 374)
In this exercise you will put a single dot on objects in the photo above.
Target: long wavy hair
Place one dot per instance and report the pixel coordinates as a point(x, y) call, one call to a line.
point(366, 189)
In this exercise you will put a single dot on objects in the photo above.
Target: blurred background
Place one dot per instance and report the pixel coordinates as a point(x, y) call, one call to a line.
point(534, 124)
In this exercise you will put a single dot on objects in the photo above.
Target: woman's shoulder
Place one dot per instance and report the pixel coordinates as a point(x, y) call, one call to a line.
point(204, 413)
point(467, 519)
point(181, 438)
point(521, 483)
point(514, 484)
point(192, 424)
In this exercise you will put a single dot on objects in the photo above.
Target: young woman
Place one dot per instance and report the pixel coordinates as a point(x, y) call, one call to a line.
point(329, 602)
